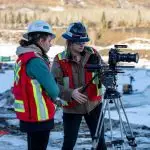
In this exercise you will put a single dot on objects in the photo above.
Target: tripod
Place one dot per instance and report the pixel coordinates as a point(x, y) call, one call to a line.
point(112, 96)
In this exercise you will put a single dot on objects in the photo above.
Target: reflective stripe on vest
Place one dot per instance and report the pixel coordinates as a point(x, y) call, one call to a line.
point(62, 55)
point(17, 68)
point(96, 81)
point(42, 111)
point(19, 106)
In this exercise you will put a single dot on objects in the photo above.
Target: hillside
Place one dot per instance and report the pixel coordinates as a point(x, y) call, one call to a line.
point(108, 21)
point(80, 3)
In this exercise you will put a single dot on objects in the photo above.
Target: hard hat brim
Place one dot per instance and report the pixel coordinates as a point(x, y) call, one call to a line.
point(67, 37)
point(25, 36)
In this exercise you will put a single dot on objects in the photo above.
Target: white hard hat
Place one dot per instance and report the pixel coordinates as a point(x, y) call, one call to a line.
point(39, 26)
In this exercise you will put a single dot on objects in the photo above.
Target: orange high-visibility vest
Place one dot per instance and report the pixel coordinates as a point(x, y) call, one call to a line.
point(32, 103)
point(94, 91)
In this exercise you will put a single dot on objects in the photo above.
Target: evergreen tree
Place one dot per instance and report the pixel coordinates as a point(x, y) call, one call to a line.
point(26, 20)
point(5, 18)
point(19, 20)
point(57, 22)
point(12, 18)
point(139, 19)
point(103, 21)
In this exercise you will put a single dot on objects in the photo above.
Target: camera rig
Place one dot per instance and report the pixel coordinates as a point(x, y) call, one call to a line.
point(115, 56)
point(111, 94)
point(112, 69)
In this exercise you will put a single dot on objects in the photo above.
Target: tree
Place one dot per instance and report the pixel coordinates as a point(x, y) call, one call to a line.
point(57, 22)
point(12, 18)
point(139, 18)
point(5, 18)
point(103, 21)
point(19, 21)
point(26, 20)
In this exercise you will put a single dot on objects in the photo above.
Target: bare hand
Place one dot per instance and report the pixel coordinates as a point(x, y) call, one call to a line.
point(79, 97)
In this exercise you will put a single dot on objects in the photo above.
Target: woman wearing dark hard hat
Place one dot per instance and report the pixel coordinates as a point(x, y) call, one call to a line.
point(35, 88)
point(68, 69)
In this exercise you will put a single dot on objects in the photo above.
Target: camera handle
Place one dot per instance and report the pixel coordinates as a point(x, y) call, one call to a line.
point(88, 84)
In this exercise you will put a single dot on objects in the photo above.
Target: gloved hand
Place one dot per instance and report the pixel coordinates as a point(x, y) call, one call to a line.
point(60, 102)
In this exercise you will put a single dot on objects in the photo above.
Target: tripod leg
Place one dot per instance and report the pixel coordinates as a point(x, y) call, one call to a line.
point(125, 131)
point(110, 123)
point(99, 125)
point(120, 119)
point(131, 138)
point(126, 116)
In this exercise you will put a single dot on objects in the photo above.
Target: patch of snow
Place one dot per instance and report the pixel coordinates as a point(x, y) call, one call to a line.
point(6, 80)
point(57, 8)
point(136, 115)
point(54, 50)
point(58, 115)
point(27, 10)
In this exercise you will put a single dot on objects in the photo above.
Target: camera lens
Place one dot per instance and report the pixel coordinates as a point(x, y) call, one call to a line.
point(128, 57)
point(137, 57)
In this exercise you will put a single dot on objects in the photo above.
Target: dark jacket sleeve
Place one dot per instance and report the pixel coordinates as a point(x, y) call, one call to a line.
point(65, 93)
point(38, 69)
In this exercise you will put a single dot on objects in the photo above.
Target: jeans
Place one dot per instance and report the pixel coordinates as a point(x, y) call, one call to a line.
point(71, 127)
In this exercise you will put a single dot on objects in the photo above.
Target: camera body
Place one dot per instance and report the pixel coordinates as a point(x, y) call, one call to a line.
point(115, 56)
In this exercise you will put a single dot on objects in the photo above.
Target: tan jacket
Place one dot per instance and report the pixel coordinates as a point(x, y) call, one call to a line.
point(79, 81)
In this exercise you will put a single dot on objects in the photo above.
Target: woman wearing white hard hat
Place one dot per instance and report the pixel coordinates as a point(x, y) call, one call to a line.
point(35, 88)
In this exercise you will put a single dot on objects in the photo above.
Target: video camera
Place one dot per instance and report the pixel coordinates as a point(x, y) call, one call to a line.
point(115, 56)
point(111, 70)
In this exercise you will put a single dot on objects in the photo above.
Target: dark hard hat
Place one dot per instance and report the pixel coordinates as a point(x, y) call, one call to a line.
point(76, 32)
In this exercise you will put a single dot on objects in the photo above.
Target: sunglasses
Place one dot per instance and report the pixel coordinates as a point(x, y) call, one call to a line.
point(79, 43)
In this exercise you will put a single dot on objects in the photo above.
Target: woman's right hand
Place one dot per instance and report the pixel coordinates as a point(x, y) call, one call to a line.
point(79, 97)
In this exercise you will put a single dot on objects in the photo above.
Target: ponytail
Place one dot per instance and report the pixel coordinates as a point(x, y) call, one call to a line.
point(24, 43)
